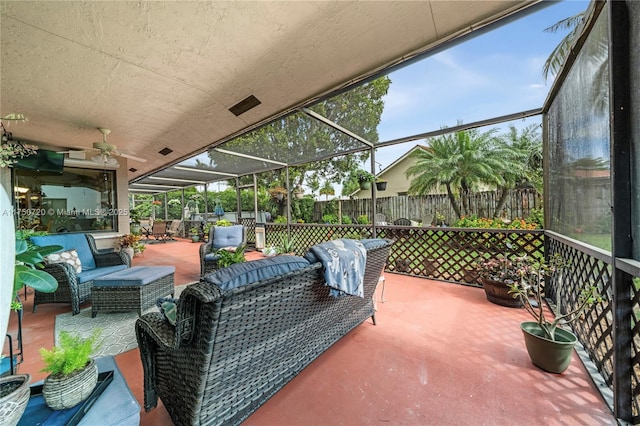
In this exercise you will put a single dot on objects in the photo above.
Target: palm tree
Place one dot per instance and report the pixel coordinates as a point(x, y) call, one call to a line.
point(461, 162)
point(327, 189)
point(559, 55)
point(524, 150)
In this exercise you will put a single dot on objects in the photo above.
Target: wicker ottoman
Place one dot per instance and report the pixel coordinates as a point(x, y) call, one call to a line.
point(133, 289)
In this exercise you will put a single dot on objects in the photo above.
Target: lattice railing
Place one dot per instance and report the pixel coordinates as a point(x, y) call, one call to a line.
point(591, 267)
point(445, 254)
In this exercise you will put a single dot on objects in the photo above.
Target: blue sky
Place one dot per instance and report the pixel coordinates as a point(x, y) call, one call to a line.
point(494, 74)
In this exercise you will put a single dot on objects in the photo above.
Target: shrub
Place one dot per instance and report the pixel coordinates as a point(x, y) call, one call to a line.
point(346, 220)
point(363, 219)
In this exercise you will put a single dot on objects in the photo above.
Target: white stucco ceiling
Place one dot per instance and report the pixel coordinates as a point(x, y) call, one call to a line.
point(163, 74)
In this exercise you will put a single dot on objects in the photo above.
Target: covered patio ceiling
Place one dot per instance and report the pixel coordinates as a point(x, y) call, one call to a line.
point(169, 78)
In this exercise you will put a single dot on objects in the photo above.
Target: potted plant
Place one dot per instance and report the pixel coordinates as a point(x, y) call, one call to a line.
point(223, 222)
point(194, 233)
point(134, 217)
point(298, 192)
point(73, 374)
point(496, 276)
point(229, 257)
point(364, 179)
point(381, 184)
point(278, 192)
point(549, 346)
point(127, 244)
point(287, 245)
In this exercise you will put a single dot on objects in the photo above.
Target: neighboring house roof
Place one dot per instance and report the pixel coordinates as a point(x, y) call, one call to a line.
point(395, 175)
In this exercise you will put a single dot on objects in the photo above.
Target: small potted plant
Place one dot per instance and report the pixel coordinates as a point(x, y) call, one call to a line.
point(194, 233)
point(278, 192)
point(127, 244)
point(381, 184)
point(496, 276)
point(228, 257)
point(298, 192)
point(364, 179)
point(549, 346)
point(287, 245)
point(73, 374)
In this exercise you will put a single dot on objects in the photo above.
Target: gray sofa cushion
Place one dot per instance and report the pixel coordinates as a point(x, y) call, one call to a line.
point(68, 242)
point(241, 274)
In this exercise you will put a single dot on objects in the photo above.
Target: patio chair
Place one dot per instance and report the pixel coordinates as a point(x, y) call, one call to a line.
point(380, 219)
point(402, 222)
point(173, 229)
point(159, 231)
point(220, 237)
point(427, 220)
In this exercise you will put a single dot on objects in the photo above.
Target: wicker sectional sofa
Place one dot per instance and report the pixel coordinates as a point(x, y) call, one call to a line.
point(231, 350)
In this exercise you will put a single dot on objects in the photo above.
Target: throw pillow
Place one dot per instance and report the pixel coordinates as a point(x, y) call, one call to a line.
point(67, 256)
point(169, 308)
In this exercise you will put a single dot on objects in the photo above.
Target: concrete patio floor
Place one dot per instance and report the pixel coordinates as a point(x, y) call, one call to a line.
point(440, 354)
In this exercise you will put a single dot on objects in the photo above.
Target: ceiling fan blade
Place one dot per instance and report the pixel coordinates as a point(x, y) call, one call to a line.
point(131, 157)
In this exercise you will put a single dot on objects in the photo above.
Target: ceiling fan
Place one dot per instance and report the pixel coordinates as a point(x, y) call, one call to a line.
point(107, 150)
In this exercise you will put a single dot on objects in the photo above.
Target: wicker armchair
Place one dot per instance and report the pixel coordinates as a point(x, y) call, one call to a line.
point(75, 288)
point(231, 350)
point(220, 237)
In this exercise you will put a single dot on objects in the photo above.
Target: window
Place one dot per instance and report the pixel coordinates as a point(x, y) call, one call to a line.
point(77, 200)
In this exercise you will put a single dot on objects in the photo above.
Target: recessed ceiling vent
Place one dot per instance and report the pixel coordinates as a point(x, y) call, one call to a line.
point(245, 105)
point(165, 151)
point(133, 170)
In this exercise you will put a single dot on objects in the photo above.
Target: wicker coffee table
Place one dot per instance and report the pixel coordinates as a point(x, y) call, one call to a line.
point(133, 289)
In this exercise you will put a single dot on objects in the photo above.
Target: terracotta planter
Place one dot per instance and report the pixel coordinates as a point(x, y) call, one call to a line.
point(553, 356)
point(498, 292)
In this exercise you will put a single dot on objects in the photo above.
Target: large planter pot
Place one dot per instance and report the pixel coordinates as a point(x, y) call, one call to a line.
point(14, 397)
point(129, 251)
point(65, 391)
point(365, 184)
point(549, 355)
point(498, 292)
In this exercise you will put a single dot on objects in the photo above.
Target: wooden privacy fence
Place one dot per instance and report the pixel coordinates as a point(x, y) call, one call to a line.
point(520, 203)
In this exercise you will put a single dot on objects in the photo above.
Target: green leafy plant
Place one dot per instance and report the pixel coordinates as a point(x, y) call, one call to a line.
point(193, 231)
point(287, 245)
point(280, 219)
point(364, 176)
point(223, 222)
point(29, 258)
point(363, 219)
point(530, 289)
point(72, 354)
point(230, 257)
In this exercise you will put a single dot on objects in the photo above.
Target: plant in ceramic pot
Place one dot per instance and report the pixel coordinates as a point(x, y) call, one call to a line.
point(549, 346)
point(73, 373)
point(128, 243)
point(364, 178)
point(194, 233)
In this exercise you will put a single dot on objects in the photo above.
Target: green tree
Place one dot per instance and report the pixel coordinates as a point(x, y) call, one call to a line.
point(327, 189)
point(298, 137)
point(460, 162)
point(522, 153)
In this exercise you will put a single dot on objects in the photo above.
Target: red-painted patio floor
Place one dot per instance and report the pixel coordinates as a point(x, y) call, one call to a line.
point(441, 354)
